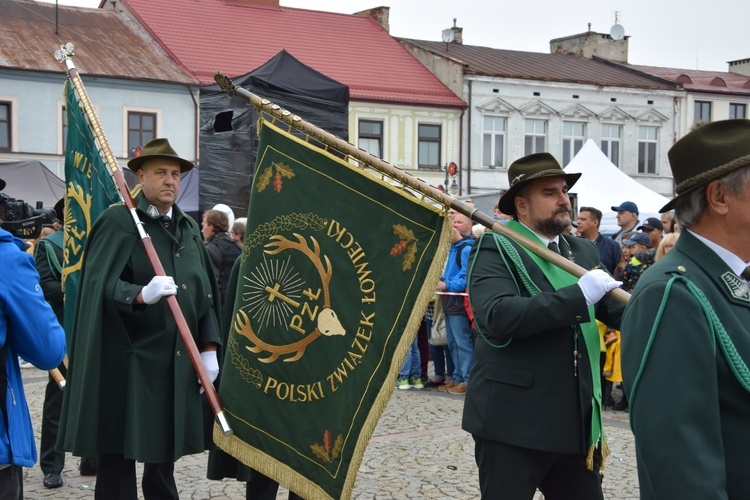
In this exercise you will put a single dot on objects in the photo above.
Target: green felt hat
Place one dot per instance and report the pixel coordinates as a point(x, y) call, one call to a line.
point(706, 154)
point(158, 148)
point(528, 168)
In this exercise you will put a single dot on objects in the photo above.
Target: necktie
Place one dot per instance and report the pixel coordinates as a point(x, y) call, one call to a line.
point(553, 246)
point(746, 273)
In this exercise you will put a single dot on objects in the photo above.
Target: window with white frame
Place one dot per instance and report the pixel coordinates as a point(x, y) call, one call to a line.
point(737, 111)
point(535, 136)
point(141, 129)
point(573, 137)
point(611, 135)
point(647, 144)
point(371, 137)
point(702, 112)
point(429, 146)
point(5, 126)
point(493, 141)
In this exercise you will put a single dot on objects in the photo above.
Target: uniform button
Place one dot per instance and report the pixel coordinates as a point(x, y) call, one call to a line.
point(184, 286)
point(210, 295)
point(178, 354)
point(128, 299)
point(578, 319)
point(177, 255)
point(681, 269)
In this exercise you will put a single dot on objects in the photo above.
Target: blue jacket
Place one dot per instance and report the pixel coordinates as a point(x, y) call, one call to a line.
point(609, 251)
point(455, 274)
point(28, 328)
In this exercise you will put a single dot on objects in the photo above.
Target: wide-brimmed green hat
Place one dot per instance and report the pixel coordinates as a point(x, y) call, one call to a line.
point(707, 153)
point(527, 169)
point(158, 148)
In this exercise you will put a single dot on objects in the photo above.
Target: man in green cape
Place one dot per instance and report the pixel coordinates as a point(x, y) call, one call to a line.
point(132, 392)
point(534, 404)
point(686, 330)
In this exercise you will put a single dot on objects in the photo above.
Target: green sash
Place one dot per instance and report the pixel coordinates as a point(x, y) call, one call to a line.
point(559, 278)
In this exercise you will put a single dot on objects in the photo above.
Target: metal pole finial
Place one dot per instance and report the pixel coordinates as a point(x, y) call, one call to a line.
point(65, 52)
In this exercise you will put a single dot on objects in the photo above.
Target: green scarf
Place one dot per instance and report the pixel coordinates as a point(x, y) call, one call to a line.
point(559, 278)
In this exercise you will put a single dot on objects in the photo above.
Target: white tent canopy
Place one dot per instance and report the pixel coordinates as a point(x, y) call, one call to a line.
point(603, 186)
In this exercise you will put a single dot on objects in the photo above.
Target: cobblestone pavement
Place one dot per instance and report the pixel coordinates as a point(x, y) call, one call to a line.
point(418, 450)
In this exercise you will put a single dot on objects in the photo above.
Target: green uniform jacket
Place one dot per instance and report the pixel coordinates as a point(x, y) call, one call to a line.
point(132, 388)
point(529, 394)
point(48, 257)
point(689, 414)
point(220, 463)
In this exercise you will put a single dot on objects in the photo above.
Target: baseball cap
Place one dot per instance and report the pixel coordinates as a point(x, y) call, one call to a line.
point(641, 238)
point(627, 206)
point(651, 223)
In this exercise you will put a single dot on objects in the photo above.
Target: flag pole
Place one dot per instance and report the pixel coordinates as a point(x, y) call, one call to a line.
point(65, 54)
point(408, 180)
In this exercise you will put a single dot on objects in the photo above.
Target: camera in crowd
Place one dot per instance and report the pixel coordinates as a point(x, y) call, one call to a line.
point(21, 219)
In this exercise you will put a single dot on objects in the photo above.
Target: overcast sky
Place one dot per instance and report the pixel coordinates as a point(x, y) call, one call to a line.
point(674, 33)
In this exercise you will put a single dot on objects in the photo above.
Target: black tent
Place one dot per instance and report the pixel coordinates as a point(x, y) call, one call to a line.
point(228, 130)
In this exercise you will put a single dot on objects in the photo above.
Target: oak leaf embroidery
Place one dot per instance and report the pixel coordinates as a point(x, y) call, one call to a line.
point(277, 172)
point(407, 243)
point(328, 451)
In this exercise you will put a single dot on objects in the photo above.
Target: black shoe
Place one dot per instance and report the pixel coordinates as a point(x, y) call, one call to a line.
point(52, 480)
point(87, 471)
point(622, 405)
point(87, 466)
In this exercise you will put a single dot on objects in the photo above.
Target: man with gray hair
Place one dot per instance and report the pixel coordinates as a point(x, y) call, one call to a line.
point(687, 325)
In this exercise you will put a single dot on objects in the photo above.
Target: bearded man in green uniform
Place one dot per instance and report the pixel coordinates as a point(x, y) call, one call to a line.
point(534, 403)
point(132, 392)
point(686, 330)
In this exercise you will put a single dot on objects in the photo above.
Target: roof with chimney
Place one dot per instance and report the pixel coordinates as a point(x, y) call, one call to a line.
point(237, 36)
point(715, 82)
point(485, 61)
point(107, 43)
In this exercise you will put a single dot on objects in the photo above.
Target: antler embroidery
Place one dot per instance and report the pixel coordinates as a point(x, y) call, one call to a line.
point(327, 321)
point(281, 243)
point(243, 327)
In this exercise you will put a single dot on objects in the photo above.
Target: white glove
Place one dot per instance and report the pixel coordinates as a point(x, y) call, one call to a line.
point(158, 287)
point(595, 284)
point(211, 364)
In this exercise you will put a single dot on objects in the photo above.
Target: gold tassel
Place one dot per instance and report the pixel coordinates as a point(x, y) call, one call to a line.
point(603, 455)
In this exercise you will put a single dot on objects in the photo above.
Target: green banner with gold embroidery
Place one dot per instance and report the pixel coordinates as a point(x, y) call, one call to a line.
point(89, 190)
point(338, 267)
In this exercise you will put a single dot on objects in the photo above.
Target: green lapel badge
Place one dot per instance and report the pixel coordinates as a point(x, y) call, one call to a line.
point(737, 288)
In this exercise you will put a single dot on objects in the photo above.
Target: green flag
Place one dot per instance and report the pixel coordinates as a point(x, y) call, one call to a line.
point(337, 270)
point(89, 189)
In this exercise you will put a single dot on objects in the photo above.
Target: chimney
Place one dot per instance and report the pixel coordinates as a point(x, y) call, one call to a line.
point(379, 14)
point(592, 44)
point(458, 35)
point(740, 67)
